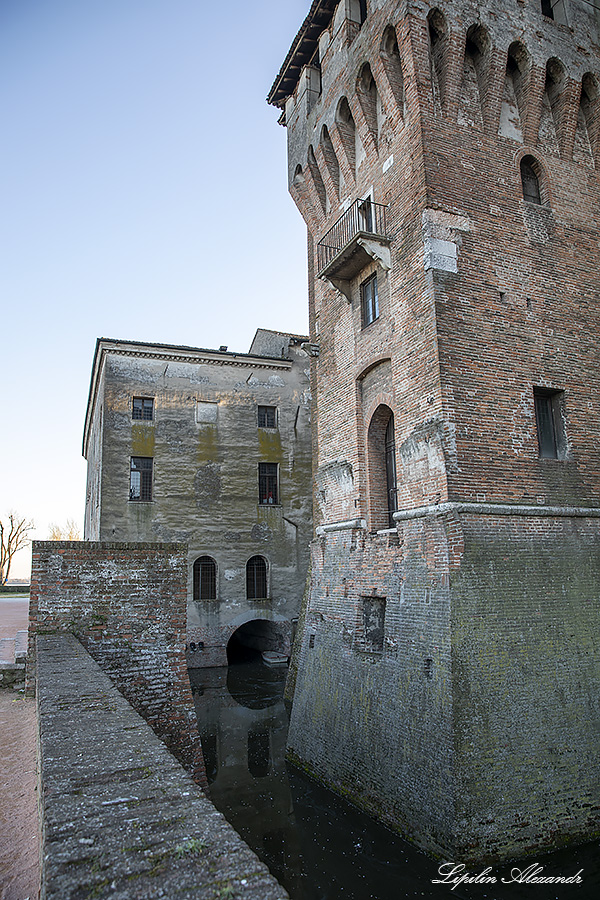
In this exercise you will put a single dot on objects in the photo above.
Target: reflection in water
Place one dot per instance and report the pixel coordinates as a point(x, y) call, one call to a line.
point(316, 845)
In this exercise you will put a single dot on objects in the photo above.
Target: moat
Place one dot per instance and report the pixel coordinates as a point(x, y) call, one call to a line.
point(317, 845)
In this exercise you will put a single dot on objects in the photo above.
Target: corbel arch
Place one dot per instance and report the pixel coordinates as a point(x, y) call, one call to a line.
point(346, 127)
point(586, 149)
point(552, 112)
point(475, 84)
point(439, 40)
point(330, 158)
point(389, 53)
point(516, 88)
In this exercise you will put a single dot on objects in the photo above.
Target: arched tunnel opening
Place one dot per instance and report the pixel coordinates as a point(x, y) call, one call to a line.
point(254, 638)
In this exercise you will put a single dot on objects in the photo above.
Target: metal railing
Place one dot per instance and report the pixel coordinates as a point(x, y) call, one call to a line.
point(363, 216)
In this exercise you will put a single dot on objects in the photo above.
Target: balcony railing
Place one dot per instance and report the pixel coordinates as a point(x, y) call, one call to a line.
point(363, 217)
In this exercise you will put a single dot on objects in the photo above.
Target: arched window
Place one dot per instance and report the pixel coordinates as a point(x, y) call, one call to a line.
point(205, 578)
point(381, 448)
point(530, 181)
point(256, 578)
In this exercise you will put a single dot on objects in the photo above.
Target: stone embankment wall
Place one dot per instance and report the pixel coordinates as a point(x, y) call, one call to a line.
point(126, 603)
point(121, 818)
point(468, 649)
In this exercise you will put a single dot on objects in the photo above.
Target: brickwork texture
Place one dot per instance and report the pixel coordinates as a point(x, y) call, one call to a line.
point(126, 603)
point(446, 679)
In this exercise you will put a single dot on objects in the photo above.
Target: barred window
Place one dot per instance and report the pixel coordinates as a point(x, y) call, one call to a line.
point(369, 300)
point(267, 416)
point(256, 578)
point(140, 478)
point(205, 578)
point(143, 408)
point(267, 483)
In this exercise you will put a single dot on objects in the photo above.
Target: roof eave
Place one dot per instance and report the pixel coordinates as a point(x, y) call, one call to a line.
point(302, 49)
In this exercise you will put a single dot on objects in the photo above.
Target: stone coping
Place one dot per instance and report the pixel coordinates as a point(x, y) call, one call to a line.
point(496, 509)
point(120, 817)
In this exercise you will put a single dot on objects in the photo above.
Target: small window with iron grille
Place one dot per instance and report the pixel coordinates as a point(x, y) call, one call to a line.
point(549, 422)
point(268, 493)
point(205, 578)
point(143, 408)
point(267, 416)
point(140, 478)
point(256, 578)
point(369, 301)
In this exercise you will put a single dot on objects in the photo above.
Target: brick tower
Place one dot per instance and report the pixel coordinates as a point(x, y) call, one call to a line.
point(445, 159)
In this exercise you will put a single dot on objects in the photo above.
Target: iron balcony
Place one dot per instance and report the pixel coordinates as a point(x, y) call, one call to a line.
point(341, 251)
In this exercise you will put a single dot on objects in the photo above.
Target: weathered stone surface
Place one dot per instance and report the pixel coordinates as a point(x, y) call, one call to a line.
point(121, 818)
point(205, 442)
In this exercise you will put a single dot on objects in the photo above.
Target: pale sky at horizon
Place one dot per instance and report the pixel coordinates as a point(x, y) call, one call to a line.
point(144, 197)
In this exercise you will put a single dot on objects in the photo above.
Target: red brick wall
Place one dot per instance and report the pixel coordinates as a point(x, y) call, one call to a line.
point(126, 603)
point(466, 347)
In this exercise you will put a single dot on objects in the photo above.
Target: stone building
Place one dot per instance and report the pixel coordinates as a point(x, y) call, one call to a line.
point(212, 449)
point(445, 159)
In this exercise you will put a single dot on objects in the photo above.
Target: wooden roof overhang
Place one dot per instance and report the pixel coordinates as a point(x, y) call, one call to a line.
point(301, 52)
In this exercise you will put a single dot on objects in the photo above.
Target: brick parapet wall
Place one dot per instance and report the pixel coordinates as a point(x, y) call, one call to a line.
point(120, 816)
point(126, 603)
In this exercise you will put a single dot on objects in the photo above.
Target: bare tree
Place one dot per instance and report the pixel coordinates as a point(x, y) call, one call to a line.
point(13, 537)
point(70, 532)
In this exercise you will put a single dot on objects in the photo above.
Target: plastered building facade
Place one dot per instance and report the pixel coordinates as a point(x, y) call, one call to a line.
point(445, 160)
point(210, 449)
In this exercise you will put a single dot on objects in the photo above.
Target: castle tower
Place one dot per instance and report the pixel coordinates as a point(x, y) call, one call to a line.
point(445, 159)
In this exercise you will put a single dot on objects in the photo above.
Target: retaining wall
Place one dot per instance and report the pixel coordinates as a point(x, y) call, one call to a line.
point(126, 603)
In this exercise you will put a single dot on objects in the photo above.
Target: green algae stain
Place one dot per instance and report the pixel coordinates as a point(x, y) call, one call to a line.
point(142, 440)
point(208, 449)
point(269, 445)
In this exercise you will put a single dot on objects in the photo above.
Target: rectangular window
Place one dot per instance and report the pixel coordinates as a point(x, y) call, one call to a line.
point(550, 431)
point(140, 478)
point(373, 621)
point(369, 300)
point(267, 416)
point(143, 408)
point(267, 483)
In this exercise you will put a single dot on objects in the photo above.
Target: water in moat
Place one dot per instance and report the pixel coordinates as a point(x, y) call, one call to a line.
point(318, 846)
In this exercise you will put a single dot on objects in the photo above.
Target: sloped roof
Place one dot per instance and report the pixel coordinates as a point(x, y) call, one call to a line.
point(302, 49)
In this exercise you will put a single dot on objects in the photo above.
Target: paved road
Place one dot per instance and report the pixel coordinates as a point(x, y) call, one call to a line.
point(14, 613)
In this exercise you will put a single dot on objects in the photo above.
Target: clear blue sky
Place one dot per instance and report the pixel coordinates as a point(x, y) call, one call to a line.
point(143, 196)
